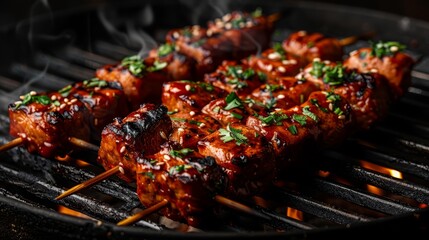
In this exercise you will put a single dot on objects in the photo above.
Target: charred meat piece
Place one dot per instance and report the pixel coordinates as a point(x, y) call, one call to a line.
point(232, 37)
point(188, 97)
point(105, 100)
point(183, 177)
point(315, 122)
point(244, 154)
point(188, 130)
point(368, 94)
point(124, 142)
point(230, 109)
point(309, 46)
point(284, 92)
point(389, 60)
point(234, 77)
point(275, 62)
point(141, 79)
point(179, 66)
point(46, 121)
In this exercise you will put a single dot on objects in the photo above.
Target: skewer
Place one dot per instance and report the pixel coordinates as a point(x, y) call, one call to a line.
point(352, 39)
point(75, 141)
point(14, 143)
point(89, 182)
point(136, 217)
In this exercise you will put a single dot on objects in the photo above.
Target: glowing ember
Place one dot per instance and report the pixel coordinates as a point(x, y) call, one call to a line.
point(71, 212)
point(294, 213)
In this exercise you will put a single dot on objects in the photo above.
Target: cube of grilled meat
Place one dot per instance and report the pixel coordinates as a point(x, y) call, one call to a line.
point(275, 62)
point(388, 59)
point(309, 46)
point(188, 130)
point(283, 92)
point(141, 79)
point(126, 141)
point(105, 100)
point(230, 109)
point(46, 121)
point(183, 177)
point(244, 154)
point(233, 37)
point(179, 66)
point(322, 120)
point(368, 94)
point(188, 96)
point(234, 77)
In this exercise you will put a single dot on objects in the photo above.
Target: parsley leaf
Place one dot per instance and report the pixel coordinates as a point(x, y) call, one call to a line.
point(233, 101)
point(381, 49)
point(230, 134)
point(181, 153)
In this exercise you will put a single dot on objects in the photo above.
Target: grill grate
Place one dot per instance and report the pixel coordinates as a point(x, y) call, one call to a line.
point(333, 194)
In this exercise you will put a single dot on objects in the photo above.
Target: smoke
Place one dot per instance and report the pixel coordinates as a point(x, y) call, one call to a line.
point(128, 31)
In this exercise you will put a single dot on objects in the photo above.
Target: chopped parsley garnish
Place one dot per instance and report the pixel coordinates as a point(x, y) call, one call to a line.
point(236, 115)
point(274, 118)
point(157, 66)
point(316, 103)
point(262, 76)
point(278, 48)
point(178, 169)
point(381, 49)
point(273, 87)
point(335, 100)
point(233, 101)
point(206, 86)
point(165, 49)
point(271, 102)
point(306, 111)
point(95, 82)
point(65, 91)
point(230, 134)
point(42, 99)
point(238, 84)
point(237, 72)
point(134, 64)
point(150, 175)
point(173, 112)
point(292, 129)
point(332, 75)
point(181, 153)
point(257, 13)
point(301, 119)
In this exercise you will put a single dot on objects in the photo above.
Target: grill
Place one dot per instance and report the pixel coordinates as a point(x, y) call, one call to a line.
point(346, 191)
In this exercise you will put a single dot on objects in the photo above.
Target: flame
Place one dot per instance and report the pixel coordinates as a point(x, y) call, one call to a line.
point(384, 170)
point(71, 212)
point(294, 213)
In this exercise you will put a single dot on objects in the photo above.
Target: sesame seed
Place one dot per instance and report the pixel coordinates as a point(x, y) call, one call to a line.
point(121, 169)
point(394, 48)
point(374, 70)
point(180, 129)
point(17, 102)
point(274, 55)
point(73, 100)
point(47, 144)
point(353, 52)
point(326, 62)
point(54, 97)
point(192, 113)
point(342, 117)
point(166, 157)
point(302, 33)
point(66, 100)
point(202, 125)
point(188, 87)
point(281, 96)
point(316, 60)
point(21, 97)
point(162, 133)
point(269, 67)
point(228, 25)
point(63, 105)
point(281, 69)
point(227, 17)
point(176, 35)
point(122, 150)
point(331, 106)
point(33, 93)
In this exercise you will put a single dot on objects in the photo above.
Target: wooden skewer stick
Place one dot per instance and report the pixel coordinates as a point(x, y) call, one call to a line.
point(14, 143)
point(239, 206)
point(352, 39)
point(89, 182)
point(84, 144)
point(136, 217)
point(75, 141)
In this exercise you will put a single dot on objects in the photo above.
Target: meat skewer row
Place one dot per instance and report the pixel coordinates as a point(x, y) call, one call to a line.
point(318, 102)
point(141, 81)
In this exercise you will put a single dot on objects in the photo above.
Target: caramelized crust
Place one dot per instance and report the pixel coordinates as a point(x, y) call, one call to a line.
point(247, 162)
point(395, 68)
point(126, 141)
point(183, 177)
point(309, 46)
point(46, 121)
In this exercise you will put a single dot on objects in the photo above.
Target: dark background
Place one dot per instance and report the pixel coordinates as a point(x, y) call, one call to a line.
point(12, 11)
